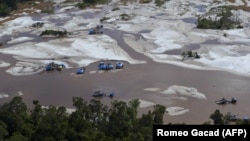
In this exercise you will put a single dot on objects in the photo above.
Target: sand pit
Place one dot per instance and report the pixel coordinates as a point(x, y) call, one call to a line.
point(187, 91)
point(174, 111)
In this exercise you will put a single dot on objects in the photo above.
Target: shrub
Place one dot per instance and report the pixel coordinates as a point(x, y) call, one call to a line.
point(125, 17)
point(115, 9)
point(81, 5)
point(57, 33)
point(145, 1)
point(104, 19)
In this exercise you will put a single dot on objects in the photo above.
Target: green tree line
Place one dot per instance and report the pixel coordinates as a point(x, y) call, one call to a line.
point(6, 6)
point(224, 20)
point(91, 121)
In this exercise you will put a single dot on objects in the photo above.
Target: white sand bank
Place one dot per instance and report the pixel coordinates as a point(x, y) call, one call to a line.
point(20, 39)
point(187, 91)
point(3, 95)
point(79, 51)
point(4, 64)
point(174, 111)
point(145, 104)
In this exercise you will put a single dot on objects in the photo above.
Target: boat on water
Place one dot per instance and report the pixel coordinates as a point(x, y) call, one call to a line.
point(54, 66)
point(233, 100)
point(103, 94)
point(99, 94)
point(111, 95)
point(225, 101)
point(221, 101)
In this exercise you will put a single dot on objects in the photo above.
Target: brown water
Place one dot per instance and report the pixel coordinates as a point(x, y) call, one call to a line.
point(58, 88)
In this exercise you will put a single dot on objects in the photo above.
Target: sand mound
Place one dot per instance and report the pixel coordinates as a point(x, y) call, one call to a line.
point(4, 64)
point(4, 96)
point(145, 104)
point(20, 93)
point(174, 111)
point(152, 89)
point(187, 91)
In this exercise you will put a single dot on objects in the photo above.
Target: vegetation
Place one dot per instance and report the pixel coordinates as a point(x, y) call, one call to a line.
point(145, 1)
point(115, 9)
point(6, 6)
point(91, 121)
point(125, 17)
point(82, 5)
point(227, 119)
point(159, 3)
point(224, 19)
point(104, 19)
point(86, 3)
point(57, 33)
point(4, 10)
point(48, 11)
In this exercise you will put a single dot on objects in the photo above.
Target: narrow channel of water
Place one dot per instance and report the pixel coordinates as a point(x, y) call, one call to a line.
point(191, 47)
point(118, 36)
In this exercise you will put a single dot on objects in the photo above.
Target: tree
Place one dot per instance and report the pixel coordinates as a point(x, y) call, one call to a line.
point(196, 55)
point(190, 53)
point(99, 114)
point(132, 109)
point(145, 124)
point(90, 122)
point(14, 114)
point(3, 130)
point(79, 121)
point(158, 114)
point(227, 20)
point(52, 125)
point(36, 113)
point(217, 117)
point(17, 137)
point(120, 123)
point(4, 10)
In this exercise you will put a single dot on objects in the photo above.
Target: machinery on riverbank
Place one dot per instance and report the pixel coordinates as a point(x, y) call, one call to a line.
point(103, 94)
point(80, 70)
point(96, 30)
point(54, 66)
